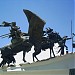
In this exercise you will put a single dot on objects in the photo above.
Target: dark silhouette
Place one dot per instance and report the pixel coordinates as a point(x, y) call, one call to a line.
point(41, 40)
point(48, 42)
point(7, 56)
point(35, 32)
point(18, 43)
point(62, 44)
point(21, 43)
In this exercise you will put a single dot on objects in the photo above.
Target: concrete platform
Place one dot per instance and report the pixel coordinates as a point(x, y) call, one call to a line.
point(38, 72)
point(62, 62)
point(63, 65)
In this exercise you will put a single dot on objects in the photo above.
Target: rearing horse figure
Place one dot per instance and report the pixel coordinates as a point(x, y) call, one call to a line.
point(47, 42)
point(35, 32)
point(52, 37)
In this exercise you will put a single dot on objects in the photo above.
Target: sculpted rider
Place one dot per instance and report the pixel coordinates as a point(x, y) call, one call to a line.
point(16, 34)
point(62, 44)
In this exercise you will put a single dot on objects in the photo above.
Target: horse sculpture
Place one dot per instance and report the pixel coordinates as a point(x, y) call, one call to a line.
point(36, 34)
point(8, 52)
point(52, 37)
point(25, 45)
point(36, 39)
point(47, 42)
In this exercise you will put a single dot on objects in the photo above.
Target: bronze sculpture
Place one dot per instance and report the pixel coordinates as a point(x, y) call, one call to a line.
point(36, 39)
point(19, 44)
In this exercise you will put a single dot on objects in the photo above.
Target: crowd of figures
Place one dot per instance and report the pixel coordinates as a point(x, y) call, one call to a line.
point(18, 43)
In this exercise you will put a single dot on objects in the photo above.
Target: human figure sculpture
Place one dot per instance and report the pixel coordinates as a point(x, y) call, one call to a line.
point(62, 44)
point(16, 34)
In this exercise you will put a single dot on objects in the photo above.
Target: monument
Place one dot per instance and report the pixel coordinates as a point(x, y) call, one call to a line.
point(41, 40)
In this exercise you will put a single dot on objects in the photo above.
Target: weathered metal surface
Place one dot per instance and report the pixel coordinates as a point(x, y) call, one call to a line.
point(36, 25)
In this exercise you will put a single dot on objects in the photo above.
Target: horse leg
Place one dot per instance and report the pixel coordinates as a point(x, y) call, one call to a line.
point(36, 53)
point(2, 63)
point(62, 50)
point(24, 56)
point(59, 51)
point(11, 59)
point(52, 52)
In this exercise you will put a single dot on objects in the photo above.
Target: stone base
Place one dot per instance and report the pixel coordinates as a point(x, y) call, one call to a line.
point(62, 62)
point(63, 65)
point(38, 72)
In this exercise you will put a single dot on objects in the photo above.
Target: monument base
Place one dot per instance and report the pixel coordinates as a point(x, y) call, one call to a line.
point(38, 72)
point(63, 65)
